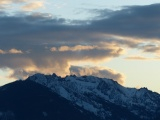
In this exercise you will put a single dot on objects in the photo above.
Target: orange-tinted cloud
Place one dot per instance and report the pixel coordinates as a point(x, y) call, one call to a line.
point(11, 51)
point(33, 6)
point(2, 51)
point(77, 48)
point(99, 72)
point(137, 58)
point(15, 51)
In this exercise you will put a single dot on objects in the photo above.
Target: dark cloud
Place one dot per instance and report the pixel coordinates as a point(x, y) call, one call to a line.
point(150, 48)
point(135, 21)
point(39, 37)
point(99, 72)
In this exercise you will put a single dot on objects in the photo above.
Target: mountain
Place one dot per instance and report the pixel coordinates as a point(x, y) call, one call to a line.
point(50, 97)
point(104, 97)
point(27, 100)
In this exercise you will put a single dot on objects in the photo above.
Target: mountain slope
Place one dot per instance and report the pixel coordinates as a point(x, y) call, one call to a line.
point(27, 100)
point(103, 97)
point(50, 97)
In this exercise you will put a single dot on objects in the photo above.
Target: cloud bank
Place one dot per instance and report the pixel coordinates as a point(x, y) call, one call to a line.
point(41, 43)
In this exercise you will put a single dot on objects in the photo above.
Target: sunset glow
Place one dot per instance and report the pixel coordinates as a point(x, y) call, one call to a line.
point(117, 40)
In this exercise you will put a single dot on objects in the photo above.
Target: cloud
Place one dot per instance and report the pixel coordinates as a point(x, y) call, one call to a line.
point(108, 29)
point(19, 1)
point(48, 62)
point(86, 48)
point(25, 5)
point(99, 72)
point(53, 49)
point(45, 61)
point(54, 43)
point(76, 48)
point(19, 74)
point(4, 1)
point(15, 51)
point(137, 58)
point(33, 6)
point(2, 51)
point(133, 21)
point(11, 1)
point(2, 7)
point(151, 48)
point(45, 37)
point(87, 53)
point(11, 51)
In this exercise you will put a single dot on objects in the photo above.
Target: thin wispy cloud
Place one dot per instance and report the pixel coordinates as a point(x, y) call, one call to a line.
point(76, 48)
point(12, 1)
point(136, 57)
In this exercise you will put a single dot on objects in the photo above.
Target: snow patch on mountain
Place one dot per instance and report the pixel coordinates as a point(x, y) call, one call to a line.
point(92, 93)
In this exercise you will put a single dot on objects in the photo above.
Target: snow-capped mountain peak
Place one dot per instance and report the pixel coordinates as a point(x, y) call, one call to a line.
point(96, 94)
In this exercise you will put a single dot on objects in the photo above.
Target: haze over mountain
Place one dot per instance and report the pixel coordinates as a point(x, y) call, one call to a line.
point(48, 97)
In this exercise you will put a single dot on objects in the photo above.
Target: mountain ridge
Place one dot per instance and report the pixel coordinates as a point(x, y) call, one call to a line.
point(92, 93)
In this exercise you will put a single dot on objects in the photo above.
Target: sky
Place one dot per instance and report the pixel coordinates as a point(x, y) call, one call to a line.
point(116, 39)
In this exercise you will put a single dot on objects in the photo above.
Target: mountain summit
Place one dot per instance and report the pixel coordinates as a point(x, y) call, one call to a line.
point(103, 97)
point(50, 97)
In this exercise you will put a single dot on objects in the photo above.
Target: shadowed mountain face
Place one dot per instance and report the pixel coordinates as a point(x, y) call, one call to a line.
point(27, 100)
point(49, 97)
